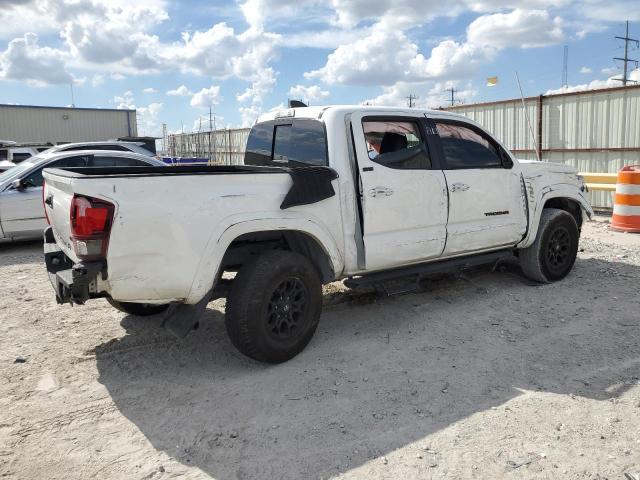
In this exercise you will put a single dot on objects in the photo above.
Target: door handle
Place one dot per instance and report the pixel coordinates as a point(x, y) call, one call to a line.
point(459, 187)
point(380, 192)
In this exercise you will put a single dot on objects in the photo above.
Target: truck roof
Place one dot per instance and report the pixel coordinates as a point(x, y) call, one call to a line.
point(320, 111)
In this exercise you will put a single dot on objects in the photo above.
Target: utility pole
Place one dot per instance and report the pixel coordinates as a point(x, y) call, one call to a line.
point(411, 98)
point(626, 58)
point(210, 132)
point(453, 93)
point(565, 67)
point(164, 138)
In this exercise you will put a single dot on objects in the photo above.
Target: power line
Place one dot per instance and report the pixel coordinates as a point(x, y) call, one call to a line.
point(410, 100)
point(626, 58)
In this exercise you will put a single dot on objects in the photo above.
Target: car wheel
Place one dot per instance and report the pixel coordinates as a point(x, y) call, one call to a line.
point(138, 309)
point(553, 253)
point(274, 306)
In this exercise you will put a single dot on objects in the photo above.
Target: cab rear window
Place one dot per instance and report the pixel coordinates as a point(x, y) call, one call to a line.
point(292, 143)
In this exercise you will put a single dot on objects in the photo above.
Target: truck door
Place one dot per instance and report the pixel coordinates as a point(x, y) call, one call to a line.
point(486, 208)
point(403, 197)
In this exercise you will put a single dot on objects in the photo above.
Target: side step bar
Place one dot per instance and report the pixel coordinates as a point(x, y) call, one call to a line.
point(407, 279)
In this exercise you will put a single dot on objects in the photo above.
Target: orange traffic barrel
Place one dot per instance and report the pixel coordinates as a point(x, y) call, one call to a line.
point(626, 204)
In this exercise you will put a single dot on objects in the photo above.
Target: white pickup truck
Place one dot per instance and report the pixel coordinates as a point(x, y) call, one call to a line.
point(377, 196)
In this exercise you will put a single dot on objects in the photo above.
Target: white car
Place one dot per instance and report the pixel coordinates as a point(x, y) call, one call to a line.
point(312, 204)
point(115, 145)
point(6, 165)
point(21, 211)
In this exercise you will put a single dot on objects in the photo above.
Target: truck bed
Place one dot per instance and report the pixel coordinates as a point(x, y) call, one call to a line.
point(168, 221)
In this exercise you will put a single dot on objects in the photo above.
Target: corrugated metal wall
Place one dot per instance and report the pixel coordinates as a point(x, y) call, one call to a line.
point(227, 146)
point(595, 131)
point(24, 124)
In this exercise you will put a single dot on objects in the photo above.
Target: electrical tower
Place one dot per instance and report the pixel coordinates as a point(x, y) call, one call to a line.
point(565, 67)
point(411, 100)
point(626, 60)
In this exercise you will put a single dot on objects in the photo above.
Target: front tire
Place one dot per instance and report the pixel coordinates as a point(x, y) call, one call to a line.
point(138, 309)
point(274, 306)
point(551, 256)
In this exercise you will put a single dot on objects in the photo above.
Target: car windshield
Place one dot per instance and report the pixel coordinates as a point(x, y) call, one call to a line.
point(16, 171)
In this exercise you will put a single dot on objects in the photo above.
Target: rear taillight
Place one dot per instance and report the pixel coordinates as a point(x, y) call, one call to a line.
point(91, 221)
point(46, 215)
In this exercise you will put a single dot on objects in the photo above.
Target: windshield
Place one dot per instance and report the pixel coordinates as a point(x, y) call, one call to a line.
point(16, 171)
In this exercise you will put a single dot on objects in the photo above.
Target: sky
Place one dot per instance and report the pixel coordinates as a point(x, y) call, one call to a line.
point(174, 61)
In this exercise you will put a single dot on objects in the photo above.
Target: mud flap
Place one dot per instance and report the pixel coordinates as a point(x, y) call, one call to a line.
point(182, 318)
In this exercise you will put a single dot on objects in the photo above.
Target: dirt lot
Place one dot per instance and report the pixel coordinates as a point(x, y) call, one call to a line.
point(485, 376)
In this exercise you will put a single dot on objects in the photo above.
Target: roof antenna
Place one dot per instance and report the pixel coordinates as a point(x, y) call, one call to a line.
point(73, 103)
point(296, 104)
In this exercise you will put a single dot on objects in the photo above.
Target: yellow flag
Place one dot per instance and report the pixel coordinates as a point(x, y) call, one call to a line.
point(492, 81)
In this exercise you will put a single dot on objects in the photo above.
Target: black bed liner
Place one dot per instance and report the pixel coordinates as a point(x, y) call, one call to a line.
point(310, 184)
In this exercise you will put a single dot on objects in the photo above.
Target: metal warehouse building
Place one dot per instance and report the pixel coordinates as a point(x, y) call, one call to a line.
point(595, 130)
point(35, 124)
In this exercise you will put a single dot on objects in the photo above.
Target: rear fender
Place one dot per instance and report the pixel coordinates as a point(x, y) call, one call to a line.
point(207, 273)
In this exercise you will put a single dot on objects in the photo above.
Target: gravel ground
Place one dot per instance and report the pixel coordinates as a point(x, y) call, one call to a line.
point(484, 376)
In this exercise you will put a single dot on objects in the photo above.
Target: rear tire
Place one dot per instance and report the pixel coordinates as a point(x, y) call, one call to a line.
point(138, 309)
point(274, 306)
point(553, 253)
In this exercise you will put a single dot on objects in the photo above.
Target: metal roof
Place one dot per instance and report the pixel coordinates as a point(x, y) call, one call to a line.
point(69, 108)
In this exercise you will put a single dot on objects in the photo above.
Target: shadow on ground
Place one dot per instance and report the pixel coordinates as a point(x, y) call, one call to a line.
point(378, 375)
point(21, 252)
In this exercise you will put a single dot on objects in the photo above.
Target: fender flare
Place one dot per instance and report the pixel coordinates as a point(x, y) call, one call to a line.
point(557, 191)
point(207, 272)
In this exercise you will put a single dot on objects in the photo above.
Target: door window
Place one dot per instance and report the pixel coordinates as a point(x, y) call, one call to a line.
point(34, 179)
point(467, 148)
point(396, 144)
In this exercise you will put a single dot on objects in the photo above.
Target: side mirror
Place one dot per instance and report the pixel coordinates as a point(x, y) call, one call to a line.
point(18, 184)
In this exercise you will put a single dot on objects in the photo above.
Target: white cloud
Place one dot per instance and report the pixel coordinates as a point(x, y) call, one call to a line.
point(181, 91)
point(451, 60)
point(111, 33)
point(148, 119)
point(206, 97)
point(97, 80)
point(124, 101)
point(308, 94)
point(381, 58)
point(609, 70)
point(149, 90)
point(26, 61)
point(586, 70)
point(610, 82)
point(519, 28)
point(429, 94)
point(15, 15)
point(386, 57)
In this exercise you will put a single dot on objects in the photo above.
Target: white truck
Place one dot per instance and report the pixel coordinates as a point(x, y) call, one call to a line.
point(376, 196)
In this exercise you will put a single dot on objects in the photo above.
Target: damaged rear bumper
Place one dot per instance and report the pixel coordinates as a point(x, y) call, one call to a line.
point(72, 282)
